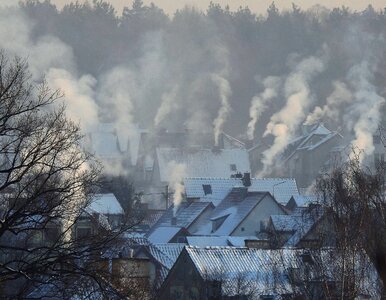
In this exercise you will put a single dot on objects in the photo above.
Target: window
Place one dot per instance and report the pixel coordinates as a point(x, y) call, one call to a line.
point(207, 189)
point(233, 167)
point(216, 223)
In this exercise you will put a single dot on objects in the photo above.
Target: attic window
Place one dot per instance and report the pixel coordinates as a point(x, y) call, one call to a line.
point(207, 189)
point(233, 167)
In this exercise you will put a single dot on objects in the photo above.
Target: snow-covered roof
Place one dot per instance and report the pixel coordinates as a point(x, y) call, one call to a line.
point(299, 223)
point(163, 234)
point(286, 223)
point(304, 200)
point(310, 140)
point(171, 250)
point(201, 162)
point(256, 272)
point(186, 214)
point(166, 255)
point(105, 145)
point(261, 272)
point(112, 142)
point(105, 204)
point(205, 241)
point(233, 209)
point(281, 188)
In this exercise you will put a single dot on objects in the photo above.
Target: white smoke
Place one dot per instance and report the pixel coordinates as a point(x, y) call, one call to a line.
point(225, 108)
point(284, 123)
point(259, 102)
point(115, 97)
point(335, 103)
point(45, 53)
point(79, 96)
point(364, 115)
point(176, 172)
point(169, 104)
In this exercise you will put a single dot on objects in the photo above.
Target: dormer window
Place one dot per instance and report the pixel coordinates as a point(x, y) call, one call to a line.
point(233, 167)
point(216, 223)
point(207, 189)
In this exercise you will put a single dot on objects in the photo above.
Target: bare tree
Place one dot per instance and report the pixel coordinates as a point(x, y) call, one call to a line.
point(46, 181)
point(353, 198)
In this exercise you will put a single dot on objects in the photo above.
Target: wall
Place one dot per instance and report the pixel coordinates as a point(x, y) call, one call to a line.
point(261, 212)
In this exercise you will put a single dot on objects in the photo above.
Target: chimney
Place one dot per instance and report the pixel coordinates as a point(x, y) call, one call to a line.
point(174, 221)
point(247, 179)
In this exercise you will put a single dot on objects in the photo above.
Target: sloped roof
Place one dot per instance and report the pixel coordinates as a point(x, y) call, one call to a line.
point(201, 162)
point(205, 241)
point(105, 145)
point(171, 250)
point(282, 188)
point(266, 272)
point(306, 141)
point(234, 209)
point(105, 204)
point(152, 216)
point(186, 214)
point(166, 255)
point(109, 142)
point(261, 271)
point(303, 219)
point(304, 200)
point(286, 223)
point(163, 234)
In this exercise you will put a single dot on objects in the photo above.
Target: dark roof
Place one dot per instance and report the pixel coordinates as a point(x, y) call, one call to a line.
point(186, 214)
point(152, 216)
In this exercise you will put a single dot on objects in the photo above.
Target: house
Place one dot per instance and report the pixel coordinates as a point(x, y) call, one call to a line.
point(104, 211)
point(247, 273)
point(216, 189)
point(117, 148)
point(240, 213)
point(304, 227)
point(164, 139)
point(200, 162)
point(162, 258)
point(306, 155)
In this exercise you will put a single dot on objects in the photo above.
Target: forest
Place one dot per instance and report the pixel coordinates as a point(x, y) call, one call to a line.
point(208, 71)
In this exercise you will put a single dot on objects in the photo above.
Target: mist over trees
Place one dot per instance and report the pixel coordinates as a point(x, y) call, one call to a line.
point(201, 69)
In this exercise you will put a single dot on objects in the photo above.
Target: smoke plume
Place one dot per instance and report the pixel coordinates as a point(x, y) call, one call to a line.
point(334, 106)
point(169, 104)
point(284, 123)
point(364, 115)
point(224, 111)
point(177, 172)
point(259, 102)
point(79, 94)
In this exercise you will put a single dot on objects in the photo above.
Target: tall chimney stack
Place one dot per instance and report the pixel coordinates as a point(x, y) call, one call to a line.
point(247, 179)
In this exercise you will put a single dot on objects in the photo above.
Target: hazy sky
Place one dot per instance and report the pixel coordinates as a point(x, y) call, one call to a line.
point(258, 6)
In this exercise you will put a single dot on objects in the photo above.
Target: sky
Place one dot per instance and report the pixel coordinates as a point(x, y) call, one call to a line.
point(257, 6)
